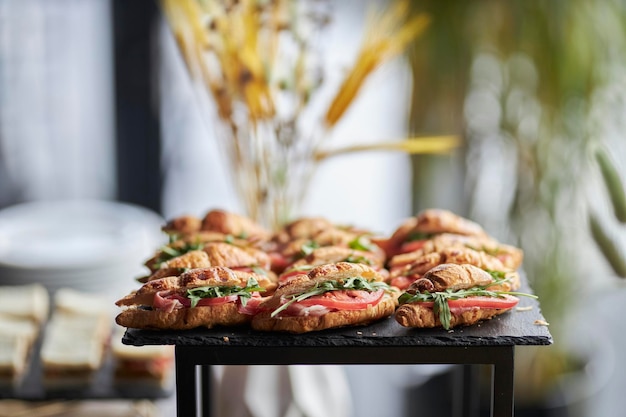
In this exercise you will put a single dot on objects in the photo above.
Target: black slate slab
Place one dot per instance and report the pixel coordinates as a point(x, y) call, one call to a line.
point(517, 327)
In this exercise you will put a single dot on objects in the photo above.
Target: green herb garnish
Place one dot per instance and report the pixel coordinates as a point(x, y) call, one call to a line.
point(168, 252)
point(440, 299)
point(245, 293)
point(308, 248)
point(354, 283)
point(358, 260)
point(362, 243)
point(258, 270)
point(498, 276)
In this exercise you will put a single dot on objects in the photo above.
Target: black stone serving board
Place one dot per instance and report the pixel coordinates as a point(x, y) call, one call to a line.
point(517, 327)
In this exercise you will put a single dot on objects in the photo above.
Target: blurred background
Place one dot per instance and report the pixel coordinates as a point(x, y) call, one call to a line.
point(96, 103)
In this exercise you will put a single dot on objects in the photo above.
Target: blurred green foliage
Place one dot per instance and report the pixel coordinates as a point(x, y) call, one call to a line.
point(535, 87)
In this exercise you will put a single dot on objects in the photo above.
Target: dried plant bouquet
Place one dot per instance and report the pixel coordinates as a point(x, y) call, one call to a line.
point(261, 67)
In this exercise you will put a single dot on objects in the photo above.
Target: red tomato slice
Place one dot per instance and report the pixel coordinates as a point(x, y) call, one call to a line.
point(345, 299)
point(412, 246)
point(507, 301)
point(216, 301)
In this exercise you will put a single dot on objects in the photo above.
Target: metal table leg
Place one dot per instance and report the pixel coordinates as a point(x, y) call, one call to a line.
point(206, 391)
point(466, 390)
point(502, 382)
point(186, 395)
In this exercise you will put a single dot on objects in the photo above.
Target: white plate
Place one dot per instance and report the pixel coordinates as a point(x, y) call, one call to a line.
point(87, 245)
point(74, 234)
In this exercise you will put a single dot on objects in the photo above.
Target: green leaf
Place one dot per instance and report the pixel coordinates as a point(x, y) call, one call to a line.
point(358, 260)
point(168, 252)
point(217, 291)
point(497, 275)
point(353, 283)
point(362, 243)
point(309, 247)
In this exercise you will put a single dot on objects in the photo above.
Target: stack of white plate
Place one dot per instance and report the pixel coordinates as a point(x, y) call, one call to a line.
point(92, 246)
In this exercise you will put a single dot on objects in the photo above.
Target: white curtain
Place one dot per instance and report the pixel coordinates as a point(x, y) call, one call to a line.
point(56, 95)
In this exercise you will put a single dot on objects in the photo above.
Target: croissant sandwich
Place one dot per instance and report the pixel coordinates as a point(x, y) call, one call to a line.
point(450, 295)
point(328, 296)
point(204, 297)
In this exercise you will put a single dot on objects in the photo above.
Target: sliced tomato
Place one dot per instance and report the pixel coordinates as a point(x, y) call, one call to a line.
point(506, 301)
point(216, 301)
point(412, 246)
point(345, 299)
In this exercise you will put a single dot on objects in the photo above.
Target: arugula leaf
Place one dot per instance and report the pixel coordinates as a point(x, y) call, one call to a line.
point(358, 260)
point(309, 247)
point(216, 291)
point(440, 299)
point(362, 243)
point(442, 309)
point(168, 252)
point(497, 275)
point(353, 283)
point(258, 270)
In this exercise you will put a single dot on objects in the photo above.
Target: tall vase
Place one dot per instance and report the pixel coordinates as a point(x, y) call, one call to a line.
point(271, 166)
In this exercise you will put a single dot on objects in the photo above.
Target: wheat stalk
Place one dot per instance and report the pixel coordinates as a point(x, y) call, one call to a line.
point(387, 36)
point(417, 145)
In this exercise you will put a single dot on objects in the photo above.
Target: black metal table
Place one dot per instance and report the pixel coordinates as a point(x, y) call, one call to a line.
point(386, 342)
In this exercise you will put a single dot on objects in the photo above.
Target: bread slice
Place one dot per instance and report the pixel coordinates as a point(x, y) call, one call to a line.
point(13, 358)
point(11, 326)
point(73, 349)
point(28, 301)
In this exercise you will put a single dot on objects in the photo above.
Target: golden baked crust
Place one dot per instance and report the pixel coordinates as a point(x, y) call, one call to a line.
point(458, 277)
point(452, 277)
point(333, 254)
point(183, 318)
point(213, 276)
point(234, 224)
point(510, 256)
point(224, 254)
point(341, 271)
point(183, 225)
point(179, 264)
point(303, 228)
point(418, 315)
point(444, 221)
point(302, 324)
